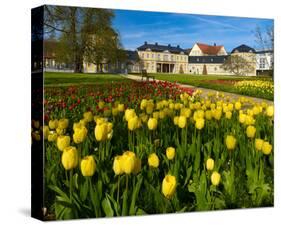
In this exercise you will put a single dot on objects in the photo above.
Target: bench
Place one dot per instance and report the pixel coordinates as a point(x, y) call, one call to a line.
point(145, 75)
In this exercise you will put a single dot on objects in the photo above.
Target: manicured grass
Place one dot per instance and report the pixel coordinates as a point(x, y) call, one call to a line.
point(67, 79)
point(216, 82)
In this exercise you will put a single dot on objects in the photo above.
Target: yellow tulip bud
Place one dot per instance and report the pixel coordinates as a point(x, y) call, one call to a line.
point(149, 107)
point(230, 142)
point(143, 104)
point(170, 153)
point(63, 123)
point(208, 115)
point(36, 124)
point(128, 161)
point(155, 115)
point(60, 131)
point(199, 124)
point(133, 123)
point(228, 114)
point(270, 111)
point(251, 131)
point(152, 123)
point(52, 136)
point(169, 185)
point(88, 116)
point(176, 120)
point(259, 144)
point(266, 148)
point(101, 132)
point(69, 158)
point(117, 165)
point(121, 107)
point(210, 163)
point(115, 111)
point(129, 113)
point(153, 160)
point(182, 122)
point(137, 168)
point(63, 142)
point(80, 134)
point(46, 132)
point(88, 166)
point(53, 124)
point(237, 105)
point(101, 104)
point(215, 178)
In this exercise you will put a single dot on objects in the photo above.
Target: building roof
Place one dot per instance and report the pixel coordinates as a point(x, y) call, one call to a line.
point(161, 48)
point(207, 59)
point(243, 49)
point(208, 49)
point(132, 55)
point(264, 51)
point(188, 51)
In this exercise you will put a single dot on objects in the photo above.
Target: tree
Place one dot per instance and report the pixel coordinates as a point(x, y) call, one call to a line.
point(205, 70)
point(265, 41)
point(237, 65)
point(84, 34)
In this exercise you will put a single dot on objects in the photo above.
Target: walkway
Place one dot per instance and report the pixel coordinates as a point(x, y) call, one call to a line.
point(206, 91)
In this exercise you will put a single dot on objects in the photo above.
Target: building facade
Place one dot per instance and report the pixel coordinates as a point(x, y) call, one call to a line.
point(157, 58)
point(264, 62)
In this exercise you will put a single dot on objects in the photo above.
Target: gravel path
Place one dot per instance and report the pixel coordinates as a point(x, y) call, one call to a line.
point(206, 91)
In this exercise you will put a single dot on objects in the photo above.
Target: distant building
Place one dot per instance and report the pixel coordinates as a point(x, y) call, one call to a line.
point(207, 59)
point(264, 62)
point(248, 54)
point(157, 58)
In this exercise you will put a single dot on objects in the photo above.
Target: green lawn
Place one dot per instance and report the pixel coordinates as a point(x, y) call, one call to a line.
point(67, 79)
point(216, 82)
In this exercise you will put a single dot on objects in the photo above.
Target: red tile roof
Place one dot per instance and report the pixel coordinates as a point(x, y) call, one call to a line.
point(208, 49)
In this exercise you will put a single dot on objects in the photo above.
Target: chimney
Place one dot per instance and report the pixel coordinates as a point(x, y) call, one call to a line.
point(169, 45)
point(215, 44)
point(145, 42)
point(156, 43)
point(178, 46)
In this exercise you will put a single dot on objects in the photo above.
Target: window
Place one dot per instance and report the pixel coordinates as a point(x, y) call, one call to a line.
point(166, 57)
point(158, 56)
point(147, 55)
point(212, 59)
point(181, 57)
point(215, 68)
point(197, 59)
point(172, 57)
point(142, 55)
point(262, 63)
point(152, 55)
point(177, 57)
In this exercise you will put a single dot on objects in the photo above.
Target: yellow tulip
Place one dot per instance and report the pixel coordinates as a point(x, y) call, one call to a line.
point(228, 114)
point(137, 168)
point(101, 104)
point(129, 113)
point(69, 158)
point(266, 148)
point(101, 132)
point(128, 162)
point(259, 144)
point(63, 142)
point(208, 115)
point(230, 142)
point(88, 166)
point(143, 104)
point(270, 111)
point(52, 136)
point(152, 123)
point(215, 178)
point(88, 116)
point(182, 122)
point(153, 160)
point(149, 107)
point(115, 111)
point(199, 124)
point(121, 107)
point(251, 131)
point(53, 124)
point(237, 105)
point(170, 153)
point(169, 185)
point(63, 123)
point(117, 165)
point(133, 123)
point(242, 118)
point(45, 132)
point(210, 163)
point(80, 134)
point(176, 120)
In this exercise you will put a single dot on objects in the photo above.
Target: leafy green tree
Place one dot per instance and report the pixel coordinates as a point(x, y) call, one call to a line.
point(83, 34)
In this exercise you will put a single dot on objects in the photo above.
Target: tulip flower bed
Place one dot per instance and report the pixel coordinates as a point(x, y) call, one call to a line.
point(145, 148)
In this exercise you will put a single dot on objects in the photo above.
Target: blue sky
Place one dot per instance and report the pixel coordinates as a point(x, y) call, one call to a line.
point(135, 27)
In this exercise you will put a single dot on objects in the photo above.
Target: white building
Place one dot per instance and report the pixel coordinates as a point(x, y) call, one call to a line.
point(264, 61)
